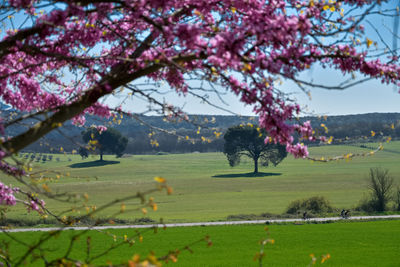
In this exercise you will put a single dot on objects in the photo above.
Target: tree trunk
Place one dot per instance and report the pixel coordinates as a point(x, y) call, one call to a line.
point(255, 165)
point(101, 155)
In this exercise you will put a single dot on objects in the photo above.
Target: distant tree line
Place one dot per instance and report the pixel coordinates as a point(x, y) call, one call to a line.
point(344, 129)
point(139, 142)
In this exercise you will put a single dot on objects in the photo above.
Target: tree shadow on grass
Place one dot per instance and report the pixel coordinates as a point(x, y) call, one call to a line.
point(96, 163)
point(247, 175)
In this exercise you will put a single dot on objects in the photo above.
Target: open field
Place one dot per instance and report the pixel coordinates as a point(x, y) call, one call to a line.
point(207, 189)
point(372, 243)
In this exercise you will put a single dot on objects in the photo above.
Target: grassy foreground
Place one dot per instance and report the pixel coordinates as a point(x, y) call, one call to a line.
point(207, 189)
point(349, 244)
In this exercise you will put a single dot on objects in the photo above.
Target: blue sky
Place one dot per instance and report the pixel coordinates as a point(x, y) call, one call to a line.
point(367, 97)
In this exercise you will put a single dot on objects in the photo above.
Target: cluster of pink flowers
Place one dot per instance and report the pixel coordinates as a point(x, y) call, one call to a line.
point(7, 195)
point(101, 128)
point(243, 45)
point(8, 198)
point(35, 205)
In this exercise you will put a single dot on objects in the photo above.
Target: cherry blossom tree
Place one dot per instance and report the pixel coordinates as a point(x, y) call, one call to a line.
point(59, 60)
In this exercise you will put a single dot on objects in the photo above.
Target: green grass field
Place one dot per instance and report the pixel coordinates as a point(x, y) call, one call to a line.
point(207, 189)
point(352, 244)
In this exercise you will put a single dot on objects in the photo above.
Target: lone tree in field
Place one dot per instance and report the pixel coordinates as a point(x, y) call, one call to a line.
point(250, 141)
point(105, 140)
point(380, 185)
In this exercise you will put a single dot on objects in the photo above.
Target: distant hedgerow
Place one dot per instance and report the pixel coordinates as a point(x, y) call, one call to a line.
point(316, 204)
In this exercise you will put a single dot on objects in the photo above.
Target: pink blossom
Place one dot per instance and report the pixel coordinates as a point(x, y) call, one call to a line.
point(101, 128)
point(242, 45)
point(7, 195)
point(35, 205)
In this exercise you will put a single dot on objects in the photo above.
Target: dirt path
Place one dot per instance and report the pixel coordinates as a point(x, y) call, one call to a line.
point(202, 223)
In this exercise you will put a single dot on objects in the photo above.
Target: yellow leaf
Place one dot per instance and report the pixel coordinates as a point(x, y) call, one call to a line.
point(154, 206)
point(169, 190)
point(326, 7)
point(332, 9)
point(154, 143)
point(217, 134)
point(330, 140)
point(46, 188)
point(372, 133)
point(136, 258)
point(246, 67)
point(369, 42)
point(160, 179)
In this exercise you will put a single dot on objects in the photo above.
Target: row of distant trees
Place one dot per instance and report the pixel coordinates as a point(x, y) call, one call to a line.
point(190, 140)
point(242, 140)
point(349, 129)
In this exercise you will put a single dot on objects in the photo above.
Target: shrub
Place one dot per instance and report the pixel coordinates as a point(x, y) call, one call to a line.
point(316, 205)
point(366, 204)
point(397, 199)
point(380, 185)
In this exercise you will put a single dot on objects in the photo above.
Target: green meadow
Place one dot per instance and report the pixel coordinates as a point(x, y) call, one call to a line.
point(374, 243)
point(206, 188)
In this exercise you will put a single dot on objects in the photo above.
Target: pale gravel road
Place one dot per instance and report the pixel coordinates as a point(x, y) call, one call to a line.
point(201, 223)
